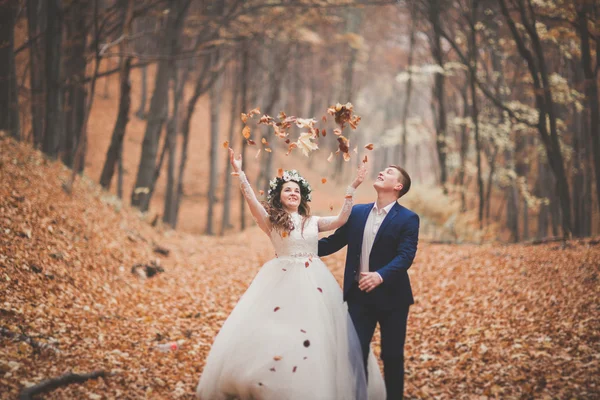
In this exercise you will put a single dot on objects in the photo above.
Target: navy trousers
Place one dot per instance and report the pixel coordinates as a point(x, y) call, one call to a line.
point(392, 323)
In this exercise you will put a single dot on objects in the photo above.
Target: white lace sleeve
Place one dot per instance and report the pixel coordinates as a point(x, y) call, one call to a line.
point(331, 223)
point(258, 211)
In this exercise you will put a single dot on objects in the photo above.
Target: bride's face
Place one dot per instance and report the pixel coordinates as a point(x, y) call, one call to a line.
point(290, 196)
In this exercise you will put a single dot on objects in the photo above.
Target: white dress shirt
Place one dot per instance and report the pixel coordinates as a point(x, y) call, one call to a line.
point(374, 220)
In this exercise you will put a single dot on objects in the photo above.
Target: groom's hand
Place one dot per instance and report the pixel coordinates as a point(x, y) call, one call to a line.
point(369, 281)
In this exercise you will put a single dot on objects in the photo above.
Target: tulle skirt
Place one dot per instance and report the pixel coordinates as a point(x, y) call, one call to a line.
point(290, 337)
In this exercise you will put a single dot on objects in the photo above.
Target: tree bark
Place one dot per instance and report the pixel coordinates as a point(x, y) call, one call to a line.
point(75, 65)
point(585, 13)
point(215, 113)
point(115, 150)
point(114, 153)
point(9, 102)
point(244, 107)
point(234, 112)
point(406, 107)
point(439, 91)
point(53, 125)
point(158, 106)
point(35, 25)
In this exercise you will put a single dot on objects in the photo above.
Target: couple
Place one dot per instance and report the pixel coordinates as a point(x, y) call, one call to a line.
point(291, 336)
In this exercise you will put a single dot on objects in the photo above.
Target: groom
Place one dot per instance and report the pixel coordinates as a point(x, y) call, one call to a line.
point(382, 242)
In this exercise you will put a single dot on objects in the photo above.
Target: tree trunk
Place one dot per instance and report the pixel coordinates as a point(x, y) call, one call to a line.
point(35, 24)
point(512, 204)
point(439, 90)
point(244, 107)
point(405, 109)
point(52, 125)
point(141, 112)
point(215, 113)
point(75, 65)
point(585, 13)
point(464, 148)
point(115, 150)
point(140, 196)
point(474, 108)
point(234, 112)
point(9, 102)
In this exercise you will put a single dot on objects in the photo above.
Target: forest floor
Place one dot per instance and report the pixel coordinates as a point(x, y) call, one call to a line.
point(490, 321)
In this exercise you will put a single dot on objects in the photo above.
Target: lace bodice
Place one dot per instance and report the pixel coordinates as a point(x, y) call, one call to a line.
point(299, 242)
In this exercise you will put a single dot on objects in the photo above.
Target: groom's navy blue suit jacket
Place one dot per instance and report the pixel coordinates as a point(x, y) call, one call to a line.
point(392, 254)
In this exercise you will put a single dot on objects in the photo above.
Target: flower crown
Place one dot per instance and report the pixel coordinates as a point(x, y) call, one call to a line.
point(288, 176)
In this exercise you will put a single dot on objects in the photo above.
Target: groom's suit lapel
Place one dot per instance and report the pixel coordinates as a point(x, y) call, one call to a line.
point(386, 222)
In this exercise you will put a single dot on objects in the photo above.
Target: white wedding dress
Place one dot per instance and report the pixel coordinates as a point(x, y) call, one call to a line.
point(290, 335)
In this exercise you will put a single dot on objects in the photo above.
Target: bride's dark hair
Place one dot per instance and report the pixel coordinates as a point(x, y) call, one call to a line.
point(280, 219)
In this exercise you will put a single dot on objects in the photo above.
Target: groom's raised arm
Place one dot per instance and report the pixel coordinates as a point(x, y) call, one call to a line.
point(405, 253)
point(334, 242)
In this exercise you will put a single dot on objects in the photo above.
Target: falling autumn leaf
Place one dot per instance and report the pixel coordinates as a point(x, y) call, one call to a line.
point(246, 132)
point(306, 264)
point(369, 146)
point(324, 132)
point(277, 358)
point(244, 118)
point(261, 192)
point(264, 141)
point(337, 131)
point(305, 143)
point(226, 144)
point(268, 150)
point(323, 180)
point(330, 157)
point(280, 172)
point(251, 142)
point(365, 159)
point(276, 309)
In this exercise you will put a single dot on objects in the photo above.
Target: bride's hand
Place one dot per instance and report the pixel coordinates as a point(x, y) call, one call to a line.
point(360, 176)
point(236, 162)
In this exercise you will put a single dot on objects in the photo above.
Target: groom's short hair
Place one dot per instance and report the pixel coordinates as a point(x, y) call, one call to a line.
point(404, 180)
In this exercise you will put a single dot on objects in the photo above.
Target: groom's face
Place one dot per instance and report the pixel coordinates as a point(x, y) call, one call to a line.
point(389, 179)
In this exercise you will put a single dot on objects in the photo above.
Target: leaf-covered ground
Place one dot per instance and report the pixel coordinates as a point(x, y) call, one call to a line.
point(489, 321)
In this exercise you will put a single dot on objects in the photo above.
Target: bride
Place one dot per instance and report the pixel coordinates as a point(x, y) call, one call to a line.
point(290, 335)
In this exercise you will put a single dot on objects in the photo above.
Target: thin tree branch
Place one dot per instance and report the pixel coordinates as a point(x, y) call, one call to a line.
point(54, 383)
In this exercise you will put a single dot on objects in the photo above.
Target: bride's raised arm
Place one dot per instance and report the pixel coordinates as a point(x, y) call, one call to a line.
point(331, 223)
point(258, 211)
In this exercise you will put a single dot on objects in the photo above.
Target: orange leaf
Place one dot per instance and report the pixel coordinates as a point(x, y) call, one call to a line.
point(337, 131)
point(365, 159)
point(324, 133)
point(324, 118)
point(280, 173)
point(251, 142)
point(246, 132)
point(369, 146)
point(346, 157)
point(277, 358)
point(306, 264)
point(267, 149)
point(261, 192)
point(244, 118)
point(226, 144)
point(264, 141)
point(323, 180)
